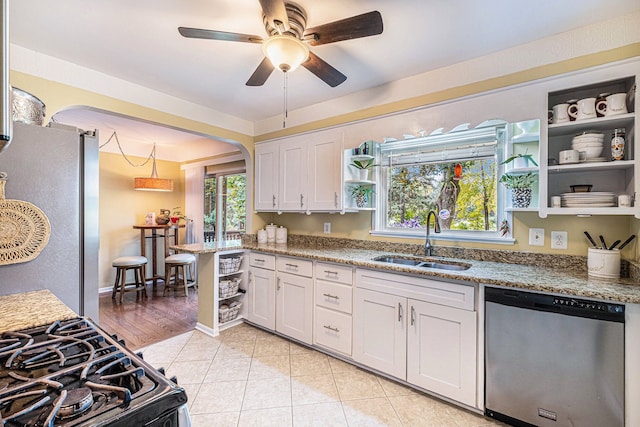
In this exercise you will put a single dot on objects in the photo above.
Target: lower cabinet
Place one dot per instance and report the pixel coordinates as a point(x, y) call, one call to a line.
point(334, 305)
point(294, 306)
point(397, 330)
point(262, 290)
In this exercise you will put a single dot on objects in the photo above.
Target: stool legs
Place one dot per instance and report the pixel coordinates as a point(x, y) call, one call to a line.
point(177, 281)
point(121, 282)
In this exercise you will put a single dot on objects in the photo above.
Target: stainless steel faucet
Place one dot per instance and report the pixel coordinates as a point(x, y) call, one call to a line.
point(436, 228)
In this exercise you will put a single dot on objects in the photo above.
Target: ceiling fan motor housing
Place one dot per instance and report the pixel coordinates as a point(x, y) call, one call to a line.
point(297, 22)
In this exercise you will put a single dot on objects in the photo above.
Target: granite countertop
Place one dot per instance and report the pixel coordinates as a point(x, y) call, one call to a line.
point(29, 309)
point(559, 280)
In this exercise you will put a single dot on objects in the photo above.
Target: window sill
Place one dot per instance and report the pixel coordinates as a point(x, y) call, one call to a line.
point(462, 237)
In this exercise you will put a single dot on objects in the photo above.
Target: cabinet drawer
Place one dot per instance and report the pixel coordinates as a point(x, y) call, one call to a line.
point(334, 296)
point(301, 267)
point(334, 273)
point(256, 259)
point(333, 330)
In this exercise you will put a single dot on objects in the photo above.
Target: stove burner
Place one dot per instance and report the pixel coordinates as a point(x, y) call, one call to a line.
point(78, 400)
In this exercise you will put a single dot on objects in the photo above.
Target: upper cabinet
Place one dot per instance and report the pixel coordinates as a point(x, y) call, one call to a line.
point(579, 118)
point(300, 174)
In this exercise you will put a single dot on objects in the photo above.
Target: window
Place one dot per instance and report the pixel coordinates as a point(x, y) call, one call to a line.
point(224, 206)
point(455, 175)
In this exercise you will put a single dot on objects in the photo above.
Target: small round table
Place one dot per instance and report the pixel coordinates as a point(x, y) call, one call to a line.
point(166, 233)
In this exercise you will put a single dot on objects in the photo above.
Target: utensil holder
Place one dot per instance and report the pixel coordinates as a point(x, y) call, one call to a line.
point(603, 263)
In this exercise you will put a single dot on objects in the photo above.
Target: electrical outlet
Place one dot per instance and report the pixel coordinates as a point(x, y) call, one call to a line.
point(536, 236)
point(558, 240)
point(327, 228)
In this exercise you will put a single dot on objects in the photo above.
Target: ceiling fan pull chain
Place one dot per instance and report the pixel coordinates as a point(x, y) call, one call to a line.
point(286, 107)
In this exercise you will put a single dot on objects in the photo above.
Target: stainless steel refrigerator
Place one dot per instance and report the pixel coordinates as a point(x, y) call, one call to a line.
point(56, 169)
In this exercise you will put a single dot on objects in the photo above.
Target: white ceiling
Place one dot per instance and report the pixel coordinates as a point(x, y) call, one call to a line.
point(138, 41)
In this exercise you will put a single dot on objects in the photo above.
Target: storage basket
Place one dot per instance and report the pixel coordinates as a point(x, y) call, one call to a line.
point(230, 265)
point(229, 288)
point(227, 314)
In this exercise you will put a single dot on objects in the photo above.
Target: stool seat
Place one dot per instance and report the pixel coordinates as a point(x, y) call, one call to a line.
point(122, 264)
point(180, 259)
point(178, 262)
point(129, 261)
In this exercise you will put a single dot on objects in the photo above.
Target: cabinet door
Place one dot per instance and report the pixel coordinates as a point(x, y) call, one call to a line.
point(262, 297)
point(441, 347)
point(293, 176)
point(379, 331)
point(266, 177)
point(294, 307)
point(325, 174)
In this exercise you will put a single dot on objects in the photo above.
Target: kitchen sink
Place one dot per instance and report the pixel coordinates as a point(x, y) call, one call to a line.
point(422, 264)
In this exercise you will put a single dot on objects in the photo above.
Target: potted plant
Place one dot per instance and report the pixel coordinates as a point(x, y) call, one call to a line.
point(361, 194)
point(520, 160)
point(177, 215)
point(520, 185)
point(363, 167)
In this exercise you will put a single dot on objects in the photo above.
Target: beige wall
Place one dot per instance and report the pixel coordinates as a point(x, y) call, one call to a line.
point(121, 207)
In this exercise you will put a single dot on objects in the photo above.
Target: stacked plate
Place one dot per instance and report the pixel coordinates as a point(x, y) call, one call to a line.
point(600, 199)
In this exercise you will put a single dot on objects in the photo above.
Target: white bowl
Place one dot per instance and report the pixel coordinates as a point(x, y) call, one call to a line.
point(591, 151)
point(576, 145)
point(589, 138)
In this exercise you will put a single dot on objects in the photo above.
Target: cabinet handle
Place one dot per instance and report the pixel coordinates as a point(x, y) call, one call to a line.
point(301, 200)
point(274, 200)
point(335, 199)
point(332, 296)
point(331, 329)
point(250, 277)
point(328, 272)
point(279, 283)
point(413, 315)
point(399, 312)
point(292, 266)
point(259, 260)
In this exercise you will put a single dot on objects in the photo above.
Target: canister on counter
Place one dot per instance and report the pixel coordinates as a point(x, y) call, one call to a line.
point(281, 235)
point(271, 233)
point(617, 144)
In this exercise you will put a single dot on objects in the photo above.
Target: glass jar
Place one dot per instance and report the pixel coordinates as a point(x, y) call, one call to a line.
point(617, 144)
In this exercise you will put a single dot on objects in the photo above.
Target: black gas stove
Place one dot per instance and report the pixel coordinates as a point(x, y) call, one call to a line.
point(72, 373)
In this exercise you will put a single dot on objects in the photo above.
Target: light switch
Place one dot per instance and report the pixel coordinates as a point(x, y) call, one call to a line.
point(536, 236)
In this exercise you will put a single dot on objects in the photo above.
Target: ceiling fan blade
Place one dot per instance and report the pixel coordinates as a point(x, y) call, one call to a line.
point(324, 71)
point(261, 74)
point(276, 14)
point(197, 33)
point(367, 24)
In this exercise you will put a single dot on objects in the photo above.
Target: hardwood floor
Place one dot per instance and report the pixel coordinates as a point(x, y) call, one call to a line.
point(144, 321)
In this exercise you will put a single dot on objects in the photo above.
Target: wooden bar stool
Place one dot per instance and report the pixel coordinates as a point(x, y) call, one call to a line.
point(178, 262)
point(122, 264)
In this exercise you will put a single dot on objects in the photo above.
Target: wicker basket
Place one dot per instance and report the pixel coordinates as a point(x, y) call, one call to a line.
point(229, 288)
point(227, 314)
point(230, 265)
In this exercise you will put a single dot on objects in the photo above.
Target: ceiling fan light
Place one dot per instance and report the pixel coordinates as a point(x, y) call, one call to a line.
point(285, 52)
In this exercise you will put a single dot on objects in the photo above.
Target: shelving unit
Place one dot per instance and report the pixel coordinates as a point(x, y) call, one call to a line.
point(618, 177)
point(352, 178)
point(523, 138)
point(238, 297)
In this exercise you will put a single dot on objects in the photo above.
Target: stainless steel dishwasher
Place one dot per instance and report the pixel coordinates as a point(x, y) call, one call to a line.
point(553, 360)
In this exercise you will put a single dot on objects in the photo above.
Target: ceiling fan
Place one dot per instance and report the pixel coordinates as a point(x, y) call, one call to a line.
point(286, 47)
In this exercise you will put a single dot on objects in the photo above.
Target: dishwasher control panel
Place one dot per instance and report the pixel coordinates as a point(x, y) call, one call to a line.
point(589, 305)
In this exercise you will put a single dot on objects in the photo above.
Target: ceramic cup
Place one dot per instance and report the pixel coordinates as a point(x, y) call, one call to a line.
point(573, 103)
point(584, 109)
point(603, 263)
point(572, 156)
point(560, 114)
point(616, 104)
point(556, 201)
point(624, 201)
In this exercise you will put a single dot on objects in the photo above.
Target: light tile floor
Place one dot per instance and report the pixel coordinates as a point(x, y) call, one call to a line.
point(249, 377)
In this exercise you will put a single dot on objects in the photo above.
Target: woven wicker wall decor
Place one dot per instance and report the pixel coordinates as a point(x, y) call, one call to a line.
point(24, 229)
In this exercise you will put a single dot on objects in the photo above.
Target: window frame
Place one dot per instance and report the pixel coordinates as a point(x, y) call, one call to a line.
point(379, 217)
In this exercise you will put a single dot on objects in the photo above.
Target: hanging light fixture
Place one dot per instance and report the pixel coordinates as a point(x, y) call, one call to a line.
point(153, 183)
point(285, 52)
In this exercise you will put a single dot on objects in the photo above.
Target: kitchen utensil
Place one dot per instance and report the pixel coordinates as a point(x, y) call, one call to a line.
point(593, 242)
point(626, 242)
point(614, 244)
point(604, 244)
point(581, 188)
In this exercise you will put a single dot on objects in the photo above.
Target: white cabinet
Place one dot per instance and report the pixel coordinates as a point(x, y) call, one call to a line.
point(266, 177)
point(262, 290)
point(419, 330)
point(441, 350)
point(616, 177)
point(333, 307)
point(380, 332)
point(293, 176)
point(294, 299)
point(300, 174)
